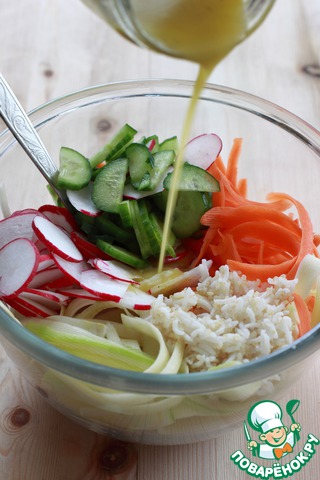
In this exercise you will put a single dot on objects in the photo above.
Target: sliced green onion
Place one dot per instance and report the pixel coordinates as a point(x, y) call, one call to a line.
point(83, 344)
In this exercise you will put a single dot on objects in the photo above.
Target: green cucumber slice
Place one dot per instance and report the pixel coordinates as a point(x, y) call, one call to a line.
point(74, 170)
point(152, 143)
point(170, 144)
point(140, 164)
point(189, 209)
point(108, 186)
point(125, 213)
point(106, 226)
point(115, 147)
point(122, 254)
point(154, 239)
point(158, 231)
point(162, 161)
point(194, 179)
point(139, 229)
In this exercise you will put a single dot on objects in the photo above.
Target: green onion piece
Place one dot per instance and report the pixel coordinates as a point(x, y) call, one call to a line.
point(88, 346)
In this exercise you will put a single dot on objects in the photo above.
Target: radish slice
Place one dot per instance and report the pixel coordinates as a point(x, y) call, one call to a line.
point(47, 295)
point(203, 150)
point(115, 270)
point(97, 283)
point(72, 270)
point(36, 308)
point(44, 277)
point(23, 309)
point(25, 211)
point(18, 265)
point(41, 301)
point(82, 201)
point(59, 216)
point(56, 239)
point(61, 282)
point(136, 299)
point(151, 144)
point(78, 293)
point(45, 262)
point(88, 249)
point(18, 225)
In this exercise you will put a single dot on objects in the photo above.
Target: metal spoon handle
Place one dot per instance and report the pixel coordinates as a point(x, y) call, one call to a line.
point(22, 129)
point(19, 124)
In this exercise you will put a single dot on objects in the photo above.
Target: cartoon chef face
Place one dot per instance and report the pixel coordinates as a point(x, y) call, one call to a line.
point(266, 417)
point(274, 437)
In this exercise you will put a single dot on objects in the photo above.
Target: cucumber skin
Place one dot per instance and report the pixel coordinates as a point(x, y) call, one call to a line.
point(190, 207)
point(108, 186)
point(75, 171)
point(194, 179)
point(115, 147)
point(121, 254)
point(140, 165)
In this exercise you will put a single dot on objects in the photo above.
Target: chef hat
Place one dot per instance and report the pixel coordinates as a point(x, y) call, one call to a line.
point(265, 416)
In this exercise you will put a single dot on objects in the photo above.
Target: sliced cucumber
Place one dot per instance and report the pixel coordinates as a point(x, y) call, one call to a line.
point(106, 226)
point(170, 144)
point(74, 170)
point(154, 239)
point(139, 229)
point(140, 165)
point(85, 222)
point(189, 209)
point(194, 179)
point(121, 254)
point(158, 231)
point(152, 143)
point(161, 161)
point(125, 213)
point(115, 147)
point(108, 186)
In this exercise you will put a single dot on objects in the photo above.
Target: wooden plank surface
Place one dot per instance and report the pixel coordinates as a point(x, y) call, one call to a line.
point(49, 48)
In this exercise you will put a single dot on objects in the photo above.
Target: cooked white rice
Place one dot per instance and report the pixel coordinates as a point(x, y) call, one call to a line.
point(227, 318)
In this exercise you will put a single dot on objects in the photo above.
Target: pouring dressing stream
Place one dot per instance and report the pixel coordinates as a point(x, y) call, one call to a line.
point(201, 31)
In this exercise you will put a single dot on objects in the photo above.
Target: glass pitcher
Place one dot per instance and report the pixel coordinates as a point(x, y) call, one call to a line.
point(198, 30)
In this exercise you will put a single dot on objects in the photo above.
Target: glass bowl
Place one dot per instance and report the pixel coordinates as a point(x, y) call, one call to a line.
point(281, 153)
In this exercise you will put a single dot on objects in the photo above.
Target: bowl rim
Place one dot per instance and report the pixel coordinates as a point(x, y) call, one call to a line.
point(168, 384)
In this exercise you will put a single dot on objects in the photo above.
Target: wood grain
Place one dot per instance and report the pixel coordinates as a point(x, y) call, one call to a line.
point(49, 48)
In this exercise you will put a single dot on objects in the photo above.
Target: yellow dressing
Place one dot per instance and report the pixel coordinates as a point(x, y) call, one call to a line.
point(202, 31)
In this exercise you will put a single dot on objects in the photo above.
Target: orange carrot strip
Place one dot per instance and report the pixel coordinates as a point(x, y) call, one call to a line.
point(310, 301)
point(261, 272)
point(268, 232)
point(242, 187)
point(303, 313)
point(234, 198)
point(218, 165)
point(316, 240)
point(227, 217)
point(306, 245)
point(233, 160)
point(207, 240)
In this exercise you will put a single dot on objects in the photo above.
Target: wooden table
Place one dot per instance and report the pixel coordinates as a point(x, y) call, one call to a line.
point(49, 48)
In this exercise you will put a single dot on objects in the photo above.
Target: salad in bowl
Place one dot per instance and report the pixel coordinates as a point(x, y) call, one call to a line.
point(151, 351)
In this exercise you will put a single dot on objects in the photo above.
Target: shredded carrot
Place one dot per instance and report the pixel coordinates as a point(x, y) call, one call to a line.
point(259, 239)
point(303, 314)
point(310, 302)
point(233, 161)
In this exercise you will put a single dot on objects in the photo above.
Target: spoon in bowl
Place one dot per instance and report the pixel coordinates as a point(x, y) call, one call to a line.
point(24, 132)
